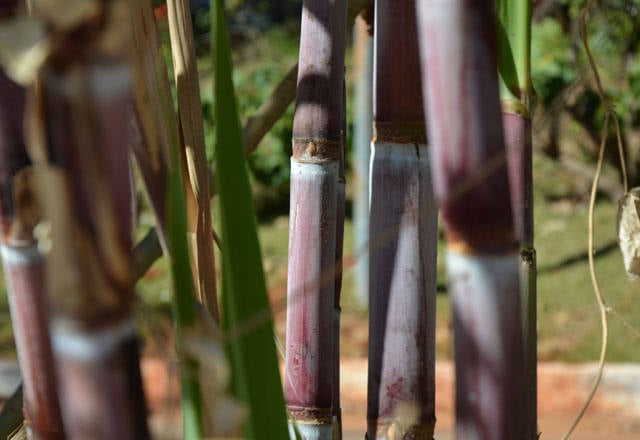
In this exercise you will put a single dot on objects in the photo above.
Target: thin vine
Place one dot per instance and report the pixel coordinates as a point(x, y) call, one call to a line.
point(604, 309)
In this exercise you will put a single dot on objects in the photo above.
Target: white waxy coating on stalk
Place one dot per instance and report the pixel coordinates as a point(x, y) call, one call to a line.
point(20, 255)
point(75, 343)
point(482, 288)
point(402, 281)
point(109, 82)
point(311, 431)
point(485, 273)
point(310, 284)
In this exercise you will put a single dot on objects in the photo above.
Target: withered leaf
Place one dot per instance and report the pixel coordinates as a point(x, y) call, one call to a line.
point(629, 231)
point(64, 15)
point(24, 47)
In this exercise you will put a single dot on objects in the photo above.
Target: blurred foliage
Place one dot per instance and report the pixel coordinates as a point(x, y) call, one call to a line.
point(260, 63)
point(265, 38)
point(552, 60)
point(565, 85)
point(265, 46)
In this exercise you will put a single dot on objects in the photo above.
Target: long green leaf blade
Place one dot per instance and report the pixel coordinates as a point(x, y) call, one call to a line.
point(514, 48)
point(183, 303)
point(248, 322)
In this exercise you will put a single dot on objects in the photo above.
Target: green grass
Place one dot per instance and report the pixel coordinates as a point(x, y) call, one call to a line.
point(568, 318)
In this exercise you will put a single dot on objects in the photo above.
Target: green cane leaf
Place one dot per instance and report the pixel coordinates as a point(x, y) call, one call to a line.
point(248, 320)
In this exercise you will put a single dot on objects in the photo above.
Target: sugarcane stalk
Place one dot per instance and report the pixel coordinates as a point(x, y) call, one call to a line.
point(92, 323)
point(458, 47)
point(516, 94)
point(315, 169)
point(362, 134)
point(337, 310)
point(84, 181)
point(403, 237)
point(24, 269)
point(193, 154)
point(309, 347)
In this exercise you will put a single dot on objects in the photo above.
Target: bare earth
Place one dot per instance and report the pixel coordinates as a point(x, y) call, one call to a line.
point(614, 414)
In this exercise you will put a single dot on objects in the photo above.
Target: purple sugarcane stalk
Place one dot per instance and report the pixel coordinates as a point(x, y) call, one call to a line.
point(90, 281)
point(517, 133)
point(24, 269)
point(310, 379)
point(92, 325)
point(403, 238)
point(471, 182)
point(84, 186)
point(337, 310)
point(310, 308)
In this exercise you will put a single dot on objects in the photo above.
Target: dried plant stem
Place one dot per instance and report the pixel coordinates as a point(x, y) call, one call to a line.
point(596, 288)
point(193, 154)
point(259, 124)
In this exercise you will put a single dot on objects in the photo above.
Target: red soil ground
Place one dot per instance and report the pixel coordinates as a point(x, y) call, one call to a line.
point(614, 414)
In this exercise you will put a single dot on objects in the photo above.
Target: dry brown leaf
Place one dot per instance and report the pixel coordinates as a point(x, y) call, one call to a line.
point(24, 47)
point(64, 15)
point(629, 231)
point(115, 40)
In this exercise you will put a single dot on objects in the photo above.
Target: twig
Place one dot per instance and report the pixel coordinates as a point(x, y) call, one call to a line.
point(259, 124)
point(596, 288)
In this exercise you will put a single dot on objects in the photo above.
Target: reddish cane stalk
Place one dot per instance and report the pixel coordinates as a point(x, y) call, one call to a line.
point(24, 270)
point(516, 93)
point(471, 181)
point(403, 237)
point(84, 186)
point(337, 310)
point(318, 123)
point(517, 131)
